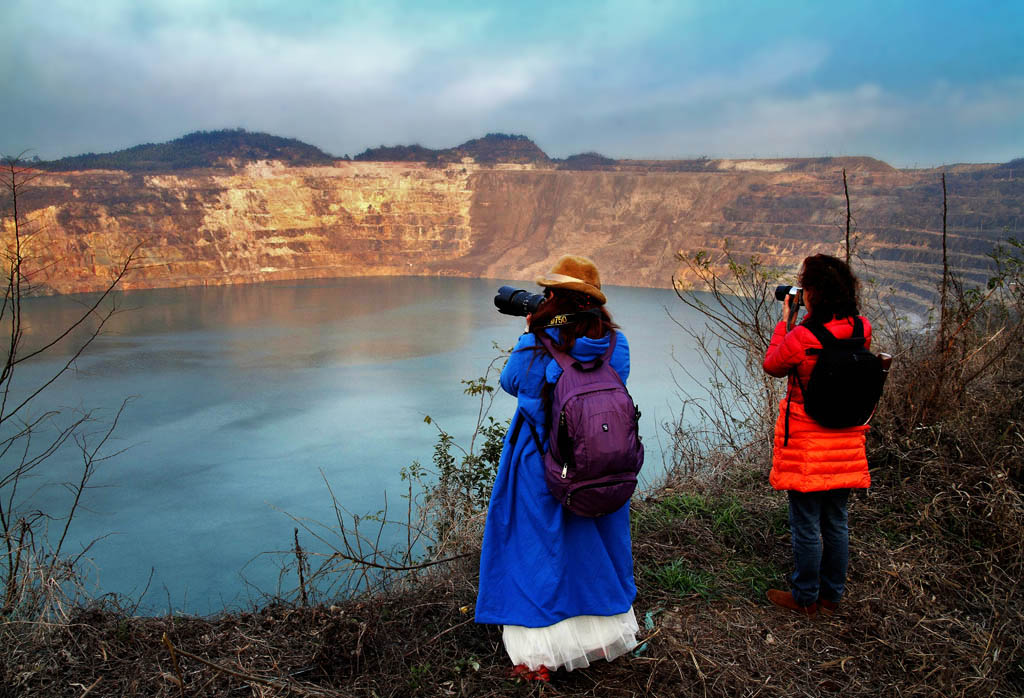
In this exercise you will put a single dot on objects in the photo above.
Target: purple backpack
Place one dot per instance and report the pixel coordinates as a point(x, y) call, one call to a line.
point(594, 449)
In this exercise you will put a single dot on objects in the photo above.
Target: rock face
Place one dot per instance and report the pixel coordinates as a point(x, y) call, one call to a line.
point(260, 223)
point(266, 221)
point(634, 222)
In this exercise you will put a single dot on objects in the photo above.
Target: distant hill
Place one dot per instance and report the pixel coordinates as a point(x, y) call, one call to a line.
point(228, 148)
point(1015, 168)
point(853, 163)
point(492, 148)
point(197, 150)
point(500, 147)
point(399, 153)
point(205, 149)
point(587, 161)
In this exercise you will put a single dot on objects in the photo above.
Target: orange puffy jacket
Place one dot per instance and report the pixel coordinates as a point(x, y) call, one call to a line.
point(814, 458)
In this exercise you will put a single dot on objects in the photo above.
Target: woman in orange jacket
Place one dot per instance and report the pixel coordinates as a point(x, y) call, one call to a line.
point(818, 466)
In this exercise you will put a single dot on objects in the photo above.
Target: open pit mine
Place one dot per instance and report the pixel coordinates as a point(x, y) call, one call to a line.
point(265, 220)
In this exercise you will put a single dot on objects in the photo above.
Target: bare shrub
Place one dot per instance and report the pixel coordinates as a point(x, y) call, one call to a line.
point(960, 396)
point(938, 546)
point(440, 523)
point(39, 580)
point(732, 416)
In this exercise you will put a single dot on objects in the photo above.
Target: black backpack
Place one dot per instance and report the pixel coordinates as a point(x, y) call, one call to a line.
point(846, 382)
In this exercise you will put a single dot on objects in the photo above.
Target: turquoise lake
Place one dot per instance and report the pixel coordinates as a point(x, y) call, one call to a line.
point(240, 396)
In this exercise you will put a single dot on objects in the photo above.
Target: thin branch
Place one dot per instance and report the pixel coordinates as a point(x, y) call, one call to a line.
point(401, 568)
point(846, 192)
point(110, 288)
point(273, 683)
point(943, 301)
point(87, 470)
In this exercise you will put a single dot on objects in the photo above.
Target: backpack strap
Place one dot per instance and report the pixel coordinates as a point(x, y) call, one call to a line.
point(565, 361)
point(826, 338)
point(823, 336)
point(536, 438)
point(519, 419)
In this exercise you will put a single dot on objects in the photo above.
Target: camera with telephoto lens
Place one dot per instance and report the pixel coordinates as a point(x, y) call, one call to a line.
point(782, 291)
point(516, 301)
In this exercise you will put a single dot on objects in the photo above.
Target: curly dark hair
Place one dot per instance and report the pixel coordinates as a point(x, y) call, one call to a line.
point(559, 301)
point(832, 286)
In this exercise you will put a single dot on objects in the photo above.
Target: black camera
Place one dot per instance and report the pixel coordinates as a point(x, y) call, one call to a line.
point(516, 301)
point(782, 291)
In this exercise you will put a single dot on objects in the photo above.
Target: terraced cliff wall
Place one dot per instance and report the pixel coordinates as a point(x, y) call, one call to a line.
point(634, 223)
point(266, 221)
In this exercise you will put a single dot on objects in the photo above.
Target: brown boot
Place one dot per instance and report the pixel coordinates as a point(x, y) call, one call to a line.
point(827, 608)
point(785, 600)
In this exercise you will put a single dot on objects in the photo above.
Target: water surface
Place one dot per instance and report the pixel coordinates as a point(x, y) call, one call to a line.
point(241, 396)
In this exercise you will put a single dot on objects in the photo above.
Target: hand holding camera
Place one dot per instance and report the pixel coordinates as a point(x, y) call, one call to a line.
point(792, 298)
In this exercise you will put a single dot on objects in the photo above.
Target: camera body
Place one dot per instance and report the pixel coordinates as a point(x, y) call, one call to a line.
point(516, 301)
point(798, 294)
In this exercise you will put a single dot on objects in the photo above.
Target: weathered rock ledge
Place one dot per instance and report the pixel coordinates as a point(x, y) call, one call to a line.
point(267, 221)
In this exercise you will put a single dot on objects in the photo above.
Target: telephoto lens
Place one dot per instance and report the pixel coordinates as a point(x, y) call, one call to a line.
point(782, 291)
point(516, 301)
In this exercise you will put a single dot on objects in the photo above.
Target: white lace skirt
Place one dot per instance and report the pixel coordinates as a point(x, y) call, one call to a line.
point(571, 643)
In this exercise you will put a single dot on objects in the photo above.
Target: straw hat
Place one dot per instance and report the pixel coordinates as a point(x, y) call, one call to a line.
point(575, 274)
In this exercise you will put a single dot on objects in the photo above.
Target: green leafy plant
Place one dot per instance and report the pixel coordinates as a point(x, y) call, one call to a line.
point(729, 517)
point(678, 577)
point(755, 576)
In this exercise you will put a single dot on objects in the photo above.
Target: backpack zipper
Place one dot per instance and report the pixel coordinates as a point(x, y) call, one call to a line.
point(561, 427)
point(568, 496)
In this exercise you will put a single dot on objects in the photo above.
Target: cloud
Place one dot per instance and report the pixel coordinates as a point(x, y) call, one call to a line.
point(489, 87)
point(629, 78)
point(820, 117)
point(121, 78)
point(227, 55)
point(695, 86)
point(963, 123)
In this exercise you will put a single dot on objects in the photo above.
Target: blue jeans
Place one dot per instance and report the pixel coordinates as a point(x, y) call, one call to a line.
point(821, 544)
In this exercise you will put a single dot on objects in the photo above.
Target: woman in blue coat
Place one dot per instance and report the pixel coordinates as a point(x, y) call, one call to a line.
point(560, 584)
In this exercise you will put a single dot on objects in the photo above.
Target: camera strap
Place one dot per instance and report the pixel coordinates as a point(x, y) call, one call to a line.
point(569, 318)
point(789, 397)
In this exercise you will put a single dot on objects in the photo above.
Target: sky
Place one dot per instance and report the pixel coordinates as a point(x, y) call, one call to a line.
point(914, 83)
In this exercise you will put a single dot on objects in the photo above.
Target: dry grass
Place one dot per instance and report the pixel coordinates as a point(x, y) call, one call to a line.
point(933, 607)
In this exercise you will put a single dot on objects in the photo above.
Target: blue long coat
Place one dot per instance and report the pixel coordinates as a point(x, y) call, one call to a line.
point(541, 563)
